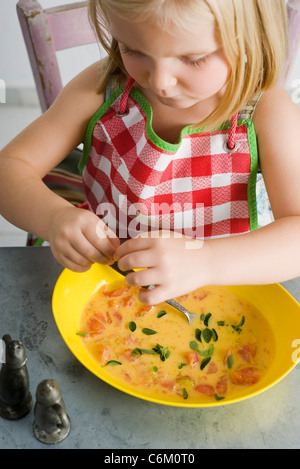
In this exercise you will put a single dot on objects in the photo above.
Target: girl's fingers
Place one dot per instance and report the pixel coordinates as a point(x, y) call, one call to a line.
point(132, 245)
point(71, 259)
point(137, 260)
point(152, 297)
point(103, 240)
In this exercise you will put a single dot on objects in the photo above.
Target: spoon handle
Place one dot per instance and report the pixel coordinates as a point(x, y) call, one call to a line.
point(171, 302)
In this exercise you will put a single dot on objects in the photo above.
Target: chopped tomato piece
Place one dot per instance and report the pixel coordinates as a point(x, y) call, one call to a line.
point(117, 292)
point(127, 354)
point(127, 301)
point(118, 316)
point(143, 310)
point(129, 340)
point(192, 358)
point(103, 353)
point(205, 389)
point(108, 318)
point(170, 385)
point(222, 385)
point(245, 376)
point(248, 352)
point(212, 368)
point(96, 323)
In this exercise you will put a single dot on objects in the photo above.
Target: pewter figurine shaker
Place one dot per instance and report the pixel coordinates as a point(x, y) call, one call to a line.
point(51, 422)
point(15, 398)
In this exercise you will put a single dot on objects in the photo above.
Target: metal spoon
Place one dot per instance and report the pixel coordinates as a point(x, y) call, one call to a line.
point(178, 306)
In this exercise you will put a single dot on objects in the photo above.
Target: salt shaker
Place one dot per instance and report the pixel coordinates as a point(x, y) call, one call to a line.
point(15, 397)
point(51, 421)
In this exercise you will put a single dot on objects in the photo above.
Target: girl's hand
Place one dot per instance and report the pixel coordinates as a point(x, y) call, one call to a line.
point(78, 239)
point(174, 265)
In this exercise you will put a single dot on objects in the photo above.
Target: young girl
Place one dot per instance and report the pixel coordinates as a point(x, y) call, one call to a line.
point(176, 122)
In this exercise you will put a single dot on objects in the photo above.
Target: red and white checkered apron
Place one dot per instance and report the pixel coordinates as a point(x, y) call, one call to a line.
point(136, 181)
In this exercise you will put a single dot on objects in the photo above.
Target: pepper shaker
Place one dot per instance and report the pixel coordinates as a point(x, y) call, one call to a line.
point(15, 397)
point(51, 421)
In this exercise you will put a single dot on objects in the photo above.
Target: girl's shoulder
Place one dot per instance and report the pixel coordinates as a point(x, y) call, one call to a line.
point(276, 109)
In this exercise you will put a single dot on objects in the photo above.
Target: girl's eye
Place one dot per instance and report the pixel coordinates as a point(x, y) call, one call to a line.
point(195, 63)
point(128, 51)
point(187, 60)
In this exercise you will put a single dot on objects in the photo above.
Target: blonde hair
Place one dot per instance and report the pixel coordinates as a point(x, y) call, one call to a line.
point(253, 34)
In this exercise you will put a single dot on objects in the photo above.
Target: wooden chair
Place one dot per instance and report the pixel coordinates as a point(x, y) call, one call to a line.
point(45, 32)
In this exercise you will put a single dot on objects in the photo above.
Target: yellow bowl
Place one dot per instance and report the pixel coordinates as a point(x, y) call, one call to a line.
point(73, 290)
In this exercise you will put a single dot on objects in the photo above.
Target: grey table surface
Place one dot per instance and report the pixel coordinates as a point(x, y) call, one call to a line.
point(103, 417)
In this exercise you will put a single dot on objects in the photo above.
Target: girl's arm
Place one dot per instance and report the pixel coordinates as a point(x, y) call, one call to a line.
point(270, 254)
point(26, 201)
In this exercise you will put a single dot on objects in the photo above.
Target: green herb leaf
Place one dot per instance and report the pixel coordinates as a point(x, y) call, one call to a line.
point(163, 352)
point(155, 369)
point(83, 334)
point(207, 318)
point(132, 326)
point(149, 352)
point(238, 327)
point(219, 398)
point(221, 323)
point(148, 331)
point(181, 365)
point(202, 317)
point(208, 352)
point(214, 335)
point(242, 322)
point(113, 362)
point(207, 335)
point(193, 345)
point(198, 334)
point(161, 314)
point(230, 361)
point(185, 394)
point(137, 352)
point(204, 362)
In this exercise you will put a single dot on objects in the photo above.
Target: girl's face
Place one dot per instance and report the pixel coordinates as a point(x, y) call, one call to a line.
point(178, 68)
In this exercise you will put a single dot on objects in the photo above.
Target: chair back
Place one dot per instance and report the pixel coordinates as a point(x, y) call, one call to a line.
point(47, 31)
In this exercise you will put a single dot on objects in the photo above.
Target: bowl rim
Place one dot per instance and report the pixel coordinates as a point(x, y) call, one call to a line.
point(98, 371)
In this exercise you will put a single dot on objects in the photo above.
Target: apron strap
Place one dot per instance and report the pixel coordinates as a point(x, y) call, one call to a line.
point(231, 144)
point(124, 100)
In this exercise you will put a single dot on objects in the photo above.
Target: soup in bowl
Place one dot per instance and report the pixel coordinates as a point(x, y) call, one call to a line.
point(239, 344)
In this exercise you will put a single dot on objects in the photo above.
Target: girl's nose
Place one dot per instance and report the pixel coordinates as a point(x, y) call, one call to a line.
point(162, 76)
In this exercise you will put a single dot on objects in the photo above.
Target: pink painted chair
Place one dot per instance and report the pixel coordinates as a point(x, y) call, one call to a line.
point(45, 32)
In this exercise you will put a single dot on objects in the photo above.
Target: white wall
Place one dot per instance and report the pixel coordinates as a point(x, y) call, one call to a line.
point(14, 64)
